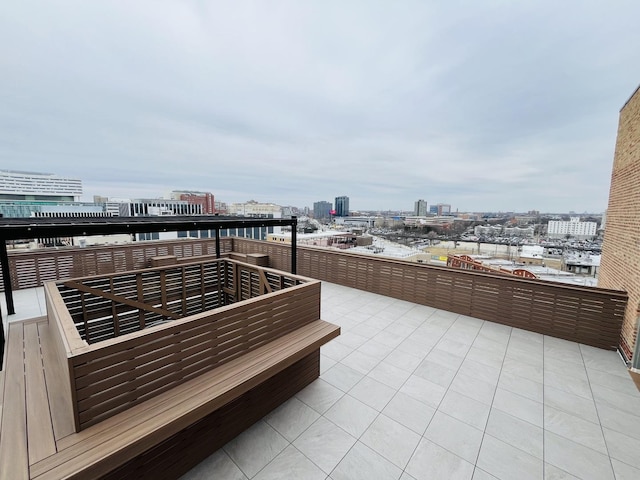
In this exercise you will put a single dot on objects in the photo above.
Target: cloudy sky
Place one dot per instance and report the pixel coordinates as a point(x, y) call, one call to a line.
point(483, 104)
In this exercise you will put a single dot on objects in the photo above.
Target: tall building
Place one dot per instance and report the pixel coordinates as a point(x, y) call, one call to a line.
point(342, 206)
point(44, 187)
point(322, 210)
point(441, 209)
point(205, 199)
point(420, 208)
point(620, 264)
point(27, 194)
point(574, 228)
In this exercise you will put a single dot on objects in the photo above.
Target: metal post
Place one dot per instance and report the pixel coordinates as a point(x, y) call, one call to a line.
point(6, 277)
point(218, 242)
point(294, 245)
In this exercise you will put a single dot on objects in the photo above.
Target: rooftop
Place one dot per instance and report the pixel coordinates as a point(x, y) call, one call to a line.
point(411, 392)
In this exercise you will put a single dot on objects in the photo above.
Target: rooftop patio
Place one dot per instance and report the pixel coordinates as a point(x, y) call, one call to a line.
point(408, 391)
point(411, 392)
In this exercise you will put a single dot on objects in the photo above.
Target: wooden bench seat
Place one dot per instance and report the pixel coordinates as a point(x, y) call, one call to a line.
point(162, 437)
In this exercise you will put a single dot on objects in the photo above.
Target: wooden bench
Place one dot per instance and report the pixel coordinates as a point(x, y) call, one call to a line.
point(162, 437)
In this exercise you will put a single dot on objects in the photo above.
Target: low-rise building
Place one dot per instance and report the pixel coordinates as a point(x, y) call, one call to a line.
point(582, 263)
point(205, 199)
point(157, 207)
point(253, 208)
point(330, 238)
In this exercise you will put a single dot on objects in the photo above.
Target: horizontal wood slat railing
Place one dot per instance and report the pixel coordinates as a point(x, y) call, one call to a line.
point(34, 267)
point(115, 362)
point(170, 431)
point(111, 305)
point(588, 315)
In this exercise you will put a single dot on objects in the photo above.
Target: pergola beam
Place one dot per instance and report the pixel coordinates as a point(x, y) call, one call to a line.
point(51, 227)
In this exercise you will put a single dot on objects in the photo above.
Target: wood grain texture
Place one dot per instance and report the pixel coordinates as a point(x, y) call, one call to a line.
point(14, 456)
point(39, 421)
point(119, 439)
point(107, 383)
point(56, 371)
point(162, 437)
point(115, 372)
point(33, 269)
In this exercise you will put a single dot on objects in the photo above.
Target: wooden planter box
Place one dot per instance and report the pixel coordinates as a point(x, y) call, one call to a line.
point(124, 338)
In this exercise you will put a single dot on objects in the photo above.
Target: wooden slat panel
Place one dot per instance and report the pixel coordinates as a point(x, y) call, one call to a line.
point(33, 268)
point(157, 294)
point(185, 450)
point(163, 416)
point(125, 383)
point(56, 372)
point(14, 459)
point(589, 315)
point(193, 387)
point(39, 423)
point(117, 373)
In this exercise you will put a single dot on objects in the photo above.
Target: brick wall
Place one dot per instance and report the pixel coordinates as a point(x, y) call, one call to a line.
point(620, 267)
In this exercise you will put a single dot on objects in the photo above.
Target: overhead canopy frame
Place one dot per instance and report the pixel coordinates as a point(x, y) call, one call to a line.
point(51, 227)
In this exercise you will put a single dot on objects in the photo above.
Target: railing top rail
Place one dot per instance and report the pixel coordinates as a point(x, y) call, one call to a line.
point(120, 246)
point(180, 266)
point(160, 330)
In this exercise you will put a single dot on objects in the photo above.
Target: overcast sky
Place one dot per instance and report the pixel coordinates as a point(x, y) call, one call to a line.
point(483, 104)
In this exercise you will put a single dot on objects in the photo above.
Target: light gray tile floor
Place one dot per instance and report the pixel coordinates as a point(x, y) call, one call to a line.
point(409, 392)
point(28, 303)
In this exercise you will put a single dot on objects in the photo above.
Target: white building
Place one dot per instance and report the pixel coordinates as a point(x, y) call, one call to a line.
point(15, 185)
point(574, 228)
point(318, 239)
point(259, 210)
point(253, 208)
point(356, 221)
point(156, 207)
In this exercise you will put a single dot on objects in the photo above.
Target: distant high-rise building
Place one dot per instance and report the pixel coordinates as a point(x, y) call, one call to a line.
point(441, 209)
point(15, 185)
point(206, 199)
point(322, 210)
point(342, 206)
point(28, 194)
point(444, 209)
point(420, 208)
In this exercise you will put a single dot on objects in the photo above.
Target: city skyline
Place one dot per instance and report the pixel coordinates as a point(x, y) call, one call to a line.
point(23, 188)
point(487, 108)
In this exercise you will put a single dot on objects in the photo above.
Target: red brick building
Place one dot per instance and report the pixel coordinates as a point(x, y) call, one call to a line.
point(620, 267)
point(206, 199)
